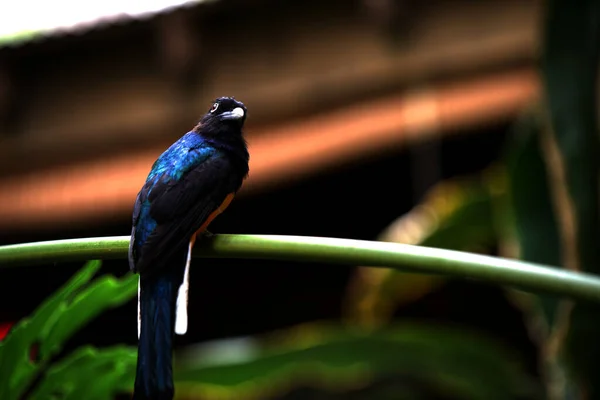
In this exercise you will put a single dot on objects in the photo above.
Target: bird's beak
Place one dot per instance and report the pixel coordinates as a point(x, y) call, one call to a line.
point(236, 113)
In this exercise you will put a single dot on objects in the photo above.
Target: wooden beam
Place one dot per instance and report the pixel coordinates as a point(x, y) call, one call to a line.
point(279, 154)
point(90, 100)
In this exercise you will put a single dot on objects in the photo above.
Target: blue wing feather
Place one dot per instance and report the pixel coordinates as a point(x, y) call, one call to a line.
point(155, 202)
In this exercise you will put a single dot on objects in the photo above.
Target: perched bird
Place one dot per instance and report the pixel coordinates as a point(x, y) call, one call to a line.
point(191, 183)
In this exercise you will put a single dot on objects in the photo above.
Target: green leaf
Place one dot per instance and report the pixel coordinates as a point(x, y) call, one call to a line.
point(571, 47)
point(570, 76)
point(535, 222)
point(105, 292)
point(463, 212)
point(459, 363)
point(53, 322)
point(457, 214)
point(89, 373)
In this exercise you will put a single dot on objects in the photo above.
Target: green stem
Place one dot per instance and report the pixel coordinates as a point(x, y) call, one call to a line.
point(500, 271)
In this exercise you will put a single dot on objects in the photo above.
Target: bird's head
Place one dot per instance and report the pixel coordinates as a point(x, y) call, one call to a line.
point(225, 113)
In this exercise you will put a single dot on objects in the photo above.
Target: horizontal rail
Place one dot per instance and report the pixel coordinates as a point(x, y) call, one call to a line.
point(527, 276)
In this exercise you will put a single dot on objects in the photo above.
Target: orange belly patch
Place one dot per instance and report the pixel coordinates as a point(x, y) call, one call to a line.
point(213, 215)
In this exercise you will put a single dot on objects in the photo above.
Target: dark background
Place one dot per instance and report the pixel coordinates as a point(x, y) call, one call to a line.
point(126, 86)
point(357, 201)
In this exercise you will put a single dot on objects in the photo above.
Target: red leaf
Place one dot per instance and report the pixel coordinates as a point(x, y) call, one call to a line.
point(4, 328)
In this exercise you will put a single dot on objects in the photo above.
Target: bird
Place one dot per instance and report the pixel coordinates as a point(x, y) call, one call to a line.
point(189, 184)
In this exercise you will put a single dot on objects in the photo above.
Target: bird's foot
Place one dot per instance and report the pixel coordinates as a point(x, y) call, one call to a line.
point(207, 234)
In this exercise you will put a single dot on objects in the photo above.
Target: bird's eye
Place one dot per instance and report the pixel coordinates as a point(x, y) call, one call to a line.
point(214, 107)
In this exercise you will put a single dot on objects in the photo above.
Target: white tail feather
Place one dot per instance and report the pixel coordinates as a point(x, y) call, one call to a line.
point(139, 310)
point(181, 315)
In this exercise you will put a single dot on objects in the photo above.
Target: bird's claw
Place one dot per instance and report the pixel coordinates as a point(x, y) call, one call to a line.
point(207, 234)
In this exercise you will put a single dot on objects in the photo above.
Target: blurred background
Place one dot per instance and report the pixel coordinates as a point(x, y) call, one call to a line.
point(371, 119)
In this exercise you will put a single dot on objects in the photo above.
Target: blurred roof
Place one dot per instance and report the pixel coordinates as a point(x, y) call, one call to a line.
point(25, 21)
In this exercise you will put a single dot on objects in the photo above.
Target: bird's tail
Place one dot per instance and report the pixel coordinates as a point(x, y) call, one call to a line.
point(154, 377)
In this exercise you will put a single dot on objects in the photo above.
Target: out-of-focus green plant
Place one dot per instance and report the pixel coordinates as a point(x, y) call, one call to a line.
point(521, 207)
point(45, 332)
point(89, 373)
point(461, 214)
point(334, 359)
point(508, 206)
point(329, 356)
point(570, 79)
point(541, 205)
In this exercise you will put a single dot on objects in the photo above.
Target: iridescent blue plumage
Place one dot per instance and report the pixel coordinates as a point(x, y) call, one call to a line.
point(189, 151)
point(187, 187)
point(185, 154)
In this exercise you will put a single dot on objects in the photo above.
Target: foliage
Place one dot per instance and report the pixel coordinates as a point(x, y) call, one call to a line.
point(328, 356)
point(540, 204)
point(547, 195)
point(49, 328)
point(89, 373)
point(452, 361)
point(459, 214)
point(570, 77)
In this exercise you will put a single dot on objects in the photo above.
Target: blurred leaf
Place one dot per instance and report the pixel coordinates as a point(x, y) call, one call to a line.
point(570, 72)
point(458, 214)
point(53, 322)
point(458, 363)
point(535, 223)
point(89, 373)
point(538, 235)
point(571, 47)
point(380, 388)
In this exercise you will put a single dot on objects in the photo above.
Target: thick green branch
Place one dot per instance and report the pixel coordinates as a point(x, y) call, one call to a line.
point(527, 276)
